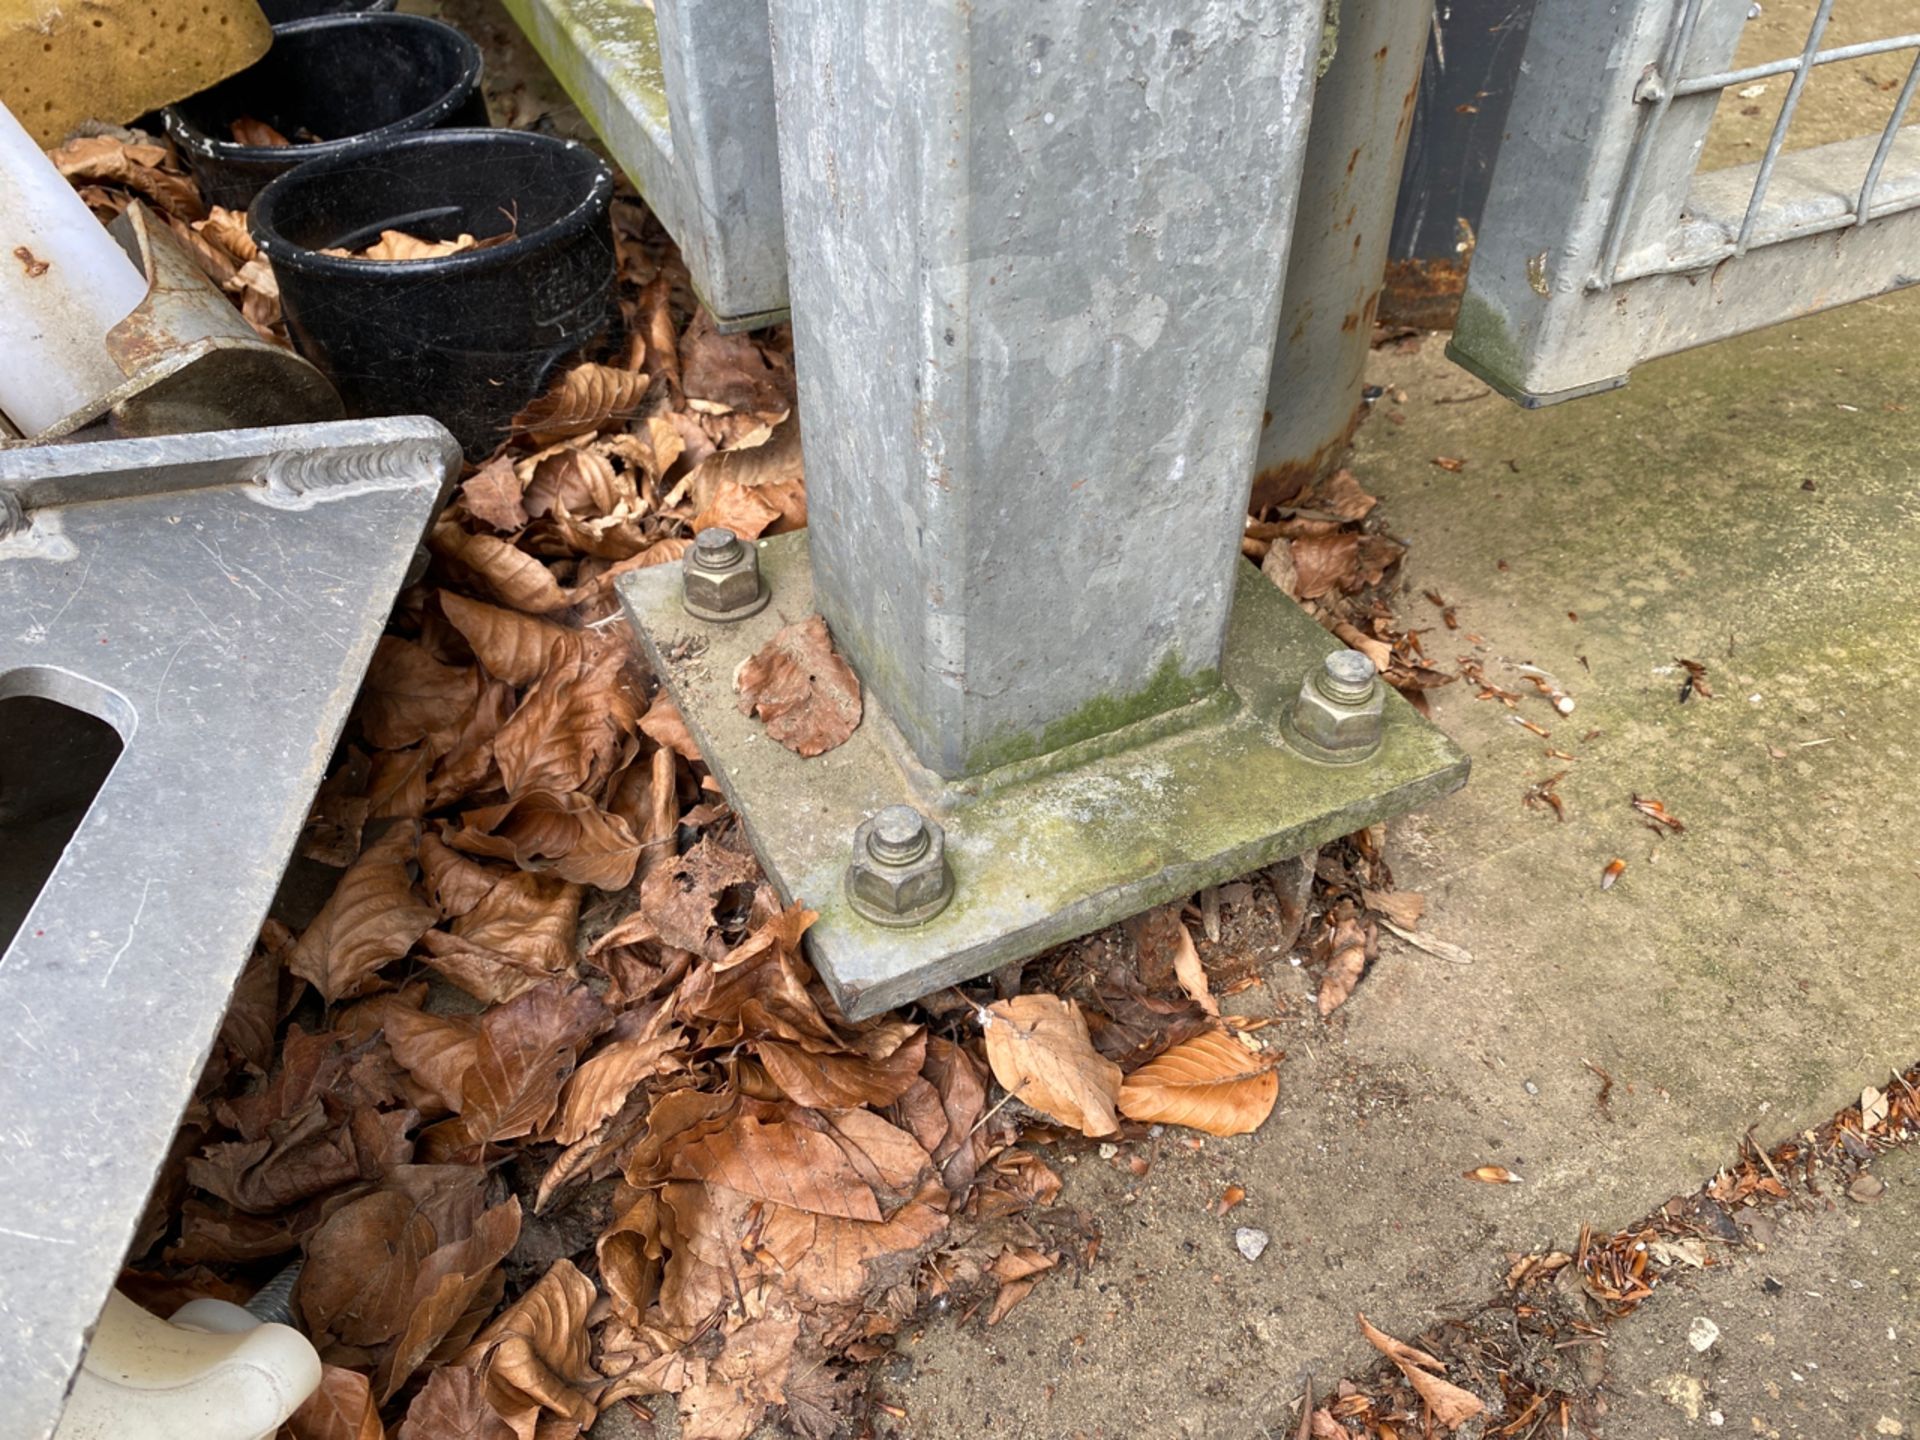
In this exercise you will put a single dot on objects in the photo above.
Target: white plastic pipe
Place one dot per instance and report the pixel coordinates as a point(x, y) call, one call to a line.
point(213, 1372)
point(64, 282)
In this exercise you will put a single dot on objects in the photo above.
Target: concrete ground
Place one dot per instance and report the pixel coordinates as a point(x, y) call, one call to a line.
point(1749, 507)
point(1818, 1339)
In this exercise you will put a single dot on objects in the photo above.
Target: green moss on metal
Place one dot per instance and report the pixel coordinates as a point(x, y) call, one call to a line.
point(1480, 334)
point(1169, 689)
point(615, 36)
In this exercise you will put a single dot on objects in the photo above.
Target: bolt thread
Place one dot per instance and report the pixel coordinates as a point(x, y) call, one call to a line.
point(715, 549)
point(272, 1303)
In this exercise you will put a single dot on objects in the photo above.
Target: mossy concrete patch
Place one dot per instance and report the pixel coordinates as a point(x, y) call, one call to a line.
point(1039, 854)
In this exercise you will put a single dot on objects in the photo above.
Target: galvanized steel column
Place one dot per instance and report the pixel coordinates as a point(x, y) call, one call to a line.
point(1362, 115)
point(1035, 259)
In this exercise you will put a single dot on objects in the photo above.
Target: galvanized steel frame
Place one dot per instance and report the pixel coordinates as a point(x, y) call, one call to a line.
point(681, 92)
point(1608, 248)
point(215, 598)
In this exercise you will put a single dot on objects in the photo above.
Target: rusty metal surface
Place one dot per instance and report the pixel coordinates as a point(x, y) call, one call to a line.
point(1362, 113)
point(1424, 293)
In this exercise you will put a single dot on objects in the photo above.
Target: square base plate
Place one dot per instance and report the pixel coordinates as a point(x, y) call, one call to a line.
point(1050, 849)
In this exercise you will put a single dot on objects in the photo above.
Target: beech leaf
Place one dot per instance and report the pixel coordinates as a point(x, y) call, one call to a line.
point(514, 647)
point(805, 693)
point(341, 1409)
point(583, 399)
point(784, 1163)
point(1211, 1082)
point(1040, 1052)
point(372, 917)
point(1450, 1405)
point(453, 1406)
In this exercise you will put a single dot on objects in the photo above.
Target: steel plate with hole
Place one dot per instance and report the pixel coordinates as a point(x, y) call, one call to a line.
point(187, 622)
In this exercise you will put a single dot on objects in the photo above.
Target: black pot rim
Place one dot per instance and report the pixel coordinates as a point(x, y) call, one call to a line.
point(280, 251)
point(190, 137)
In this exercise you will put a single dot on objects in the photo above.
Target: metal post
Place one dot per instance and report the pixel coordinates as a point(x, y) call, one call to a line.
point(1034, 270)
point(1362, 113)
point(1036, 254)
point(1459, 116)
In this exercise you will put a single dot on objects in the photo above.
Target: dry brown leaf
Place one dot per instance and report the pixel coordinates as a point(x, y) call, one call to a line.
point(598, 1089)
point(1325, 563)
point(456, 1280)
point(1657, 813)
point(1040, 1052)
point(1341, 494)
point(562, 832)
point(526, 1051)
point(409, 696)
point(1211, 1082)
point(511, 575)
point(747, 513)
point(783, 1163)
point(1403, 907)
point(580, 482)
point(839, 1080)
point(142, 167)
point(514, 647)
point(453, 1406)
point(341, 1409)
point(1491, 1175)
point(727, 1400)
point(583, 399)
point(664, 725)
point(535, 1352)
point(492, 495)
point(398, 245)
point(773, 472)
point(364, 1262)
point(1279, 567)
point(228, 229)
point(436, 1050)
point(246, 130)
point(1347, 958)
point(571, 725)
point(372, 917)
point(807, 695)
point(519, 934)
point(726, 373)
point(1191, 973)
point(1449, 1404)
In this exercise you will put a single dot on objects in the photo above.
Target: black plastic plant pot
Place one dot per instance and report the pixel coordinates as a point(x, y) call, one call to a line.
point(281, 12)
point(330, 85)
point(468, 338)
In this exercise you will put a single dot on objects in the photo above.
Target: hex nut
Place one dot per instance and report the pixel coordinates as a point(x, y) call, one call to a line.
point(898, 874)
point(720, 578)
point(1342, 728)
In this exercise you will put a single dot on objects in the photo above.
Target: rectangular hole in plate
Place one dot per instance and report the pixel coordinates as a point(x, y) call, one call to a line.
point(53, 761)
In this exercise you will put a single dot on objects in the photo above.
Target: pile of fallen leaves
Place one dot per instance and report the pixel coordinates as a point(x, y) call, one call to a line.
point(536, 1083)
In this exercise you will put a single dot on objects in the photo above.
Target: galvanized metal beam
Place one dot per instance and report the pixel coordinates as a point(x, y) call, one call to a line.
point(1362, 115)
point(681, 92)
point(1035, 259)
